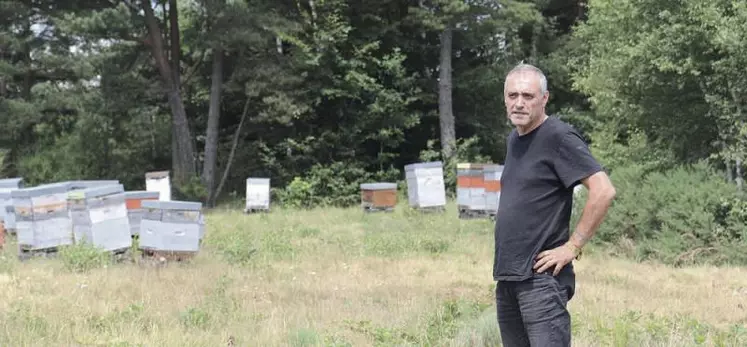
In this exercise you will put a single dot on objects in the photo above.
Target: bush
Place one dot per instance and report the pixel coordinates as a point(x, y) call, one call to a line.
point(687, 214)
point(336, 184)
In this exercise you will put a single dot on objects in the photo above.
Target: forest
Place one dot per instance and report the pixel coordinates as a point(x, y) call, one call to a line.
point(322, 95)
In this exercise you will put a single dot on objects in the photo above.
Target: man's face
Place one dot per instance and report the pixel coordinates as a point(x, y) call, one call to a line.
point(525, 103)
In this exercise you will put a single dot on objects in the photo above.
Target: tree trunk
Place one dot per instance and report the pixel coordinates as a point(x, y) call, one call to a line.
point(182, 151)
point(211, 141)
point(233, 152)
point(176, 51)
point(739, 178)
point(445, 105)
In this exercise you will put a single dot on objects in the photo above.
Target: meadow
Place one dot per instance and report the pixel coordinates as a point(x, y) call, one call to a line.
point(342, 277)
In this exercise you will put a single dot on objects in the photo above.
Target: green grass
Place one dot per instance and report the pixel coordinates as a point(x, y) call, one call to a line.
point(341, 277)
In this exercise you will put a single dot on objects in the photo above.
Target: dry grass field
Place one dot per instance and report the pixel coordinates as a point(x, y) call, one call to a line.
point(340, 277)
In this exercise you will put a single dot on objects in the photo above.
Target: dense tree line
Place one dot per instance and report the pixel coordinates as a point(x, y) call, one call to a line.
point(320, 95)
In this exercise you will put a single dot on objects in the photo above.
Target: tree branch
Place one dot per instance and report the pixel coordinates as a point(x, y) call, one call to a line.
point(233, 152)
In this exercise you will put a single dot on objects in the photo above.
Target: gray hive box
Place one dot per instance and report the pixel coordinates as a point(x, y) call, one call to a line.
point(175, 226)
point(42, 218)
point(99, 217)
point(7, 212)
point(15, 182)
point(135, 211)
point(425, 185)
point(81, 184)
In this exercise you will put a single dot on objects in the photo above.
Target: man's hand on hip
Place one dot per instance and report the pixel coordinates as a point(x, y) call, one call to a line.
point(558, 257)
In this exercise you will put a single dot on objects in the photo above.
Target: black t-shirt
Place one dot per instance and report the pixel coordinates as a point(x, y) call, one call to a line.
point(534, 212)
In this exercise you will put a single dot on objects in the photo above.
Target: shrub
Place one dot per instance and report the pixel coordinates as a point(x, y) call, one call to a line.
point(336, 184)
point(687, 214)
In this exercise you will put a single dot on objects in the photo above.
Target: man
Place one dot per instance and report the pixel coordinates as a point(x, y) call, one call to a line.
point(534, 248)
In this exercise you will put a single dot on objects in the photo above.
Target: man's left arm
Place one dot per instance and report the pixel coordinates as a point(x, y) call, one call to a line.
point(574, 164)
point(601, 193)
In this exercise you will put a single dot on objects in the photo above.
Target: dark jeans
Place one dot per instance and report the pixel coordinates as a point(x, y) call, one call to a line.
point(533, 312)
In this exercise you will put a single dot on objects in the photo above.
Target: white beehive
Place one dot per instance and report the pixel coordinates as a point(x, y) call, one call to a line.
point(425, 185)
point(159, 181)
point(42, 218)
point(171, 226)
point(99, 217)
point(135, 211)
point(257, 194)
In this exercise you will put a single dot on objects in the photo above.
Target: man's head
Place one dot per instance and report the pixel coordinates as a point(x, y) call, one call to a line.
point(525, 94)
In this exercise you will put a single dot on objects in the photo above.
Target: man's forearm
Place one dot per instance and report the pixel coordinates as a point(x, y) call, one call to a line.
point(592, 216)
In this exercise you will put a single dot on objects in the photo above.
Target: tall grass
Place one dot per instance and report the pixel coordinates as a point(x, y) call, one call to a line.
point(341, 277)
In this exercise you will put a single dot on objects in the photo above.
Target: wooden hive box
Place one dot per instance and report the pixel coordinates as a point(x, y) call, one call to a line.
point(425, 185)
point(171, 227)
point(379, 196)
point(134, 202)
point(42, 217)
point(99, 217)
point(257, 194)
point(159, 181)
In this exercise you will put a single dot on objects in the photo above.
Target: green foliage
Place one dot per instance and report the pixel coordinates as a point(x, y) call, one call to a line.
point(634, 328)
point(84, 257)
point(439, 326)
point(337, 184)
point(687, 214)
point(192, 190)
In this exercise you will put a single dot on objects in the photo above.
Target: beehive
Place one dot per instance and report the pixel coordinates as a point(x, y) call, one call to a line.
point(492, 181)
point(478, 188)
point(99, 217)
point(171, 226)
point(135, 210)
point(425, 185)
point(42, 217)
point(7, 212)
point(379, 196)
point(257, 194)
point(159, 181)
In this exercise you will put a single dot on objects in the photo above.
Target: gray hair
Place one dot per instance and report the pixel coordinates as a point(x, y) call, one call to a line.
point(523, 67)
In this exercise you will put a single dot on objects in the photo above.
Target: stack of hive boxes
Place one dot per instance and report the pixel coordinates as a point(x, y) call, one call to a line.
point(425, 185)
point(257, 194)
point(379, 196)
point(478, 189)
point(135, 211)
point(42, 217)
point(492, 182)
point(99, 217)
point(171, 226)
point(7, 212)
